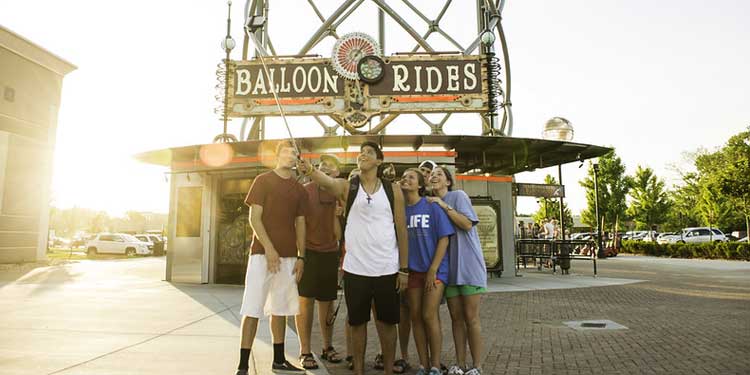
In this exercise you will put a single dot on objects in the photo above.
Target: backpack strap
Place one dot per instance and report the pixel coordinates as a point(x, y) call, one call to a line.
point(388, 187)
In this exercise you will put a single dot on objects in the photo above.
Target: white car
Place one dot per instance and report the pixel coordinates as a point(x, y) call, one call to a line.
point(698, 235)
point(150, 239)
point(117, 243)
point(663, 238)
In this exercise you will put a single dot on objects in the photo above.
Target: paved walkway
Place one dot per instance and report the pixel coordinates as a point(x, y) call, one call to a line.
point(119, 317)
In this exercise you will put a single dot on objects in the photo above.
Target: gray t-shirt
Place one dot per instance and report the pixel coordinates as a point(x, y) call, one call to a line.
point(467, 265)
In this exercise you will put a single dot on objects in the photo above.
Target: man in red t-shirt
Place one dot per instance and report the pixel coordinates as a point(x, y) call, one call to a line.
point(277, 215)
point(319, 282)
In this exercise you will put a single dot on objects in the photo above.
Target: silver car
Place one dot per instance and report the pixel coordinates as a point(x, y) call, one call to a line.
point(698, 235)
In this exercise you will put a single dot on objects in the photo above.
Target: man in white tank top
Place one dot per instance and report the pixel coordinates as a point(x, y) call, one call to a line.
point(376, 261)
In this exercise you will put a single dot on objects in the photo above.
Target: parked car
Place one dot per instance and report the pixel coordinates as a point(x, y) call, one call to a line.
point(117, 243)
point(636, 235)
point(650, 236)
point(699, 235)
point(580, 236)
point(663, 238)
point(156, 244)
point(742, 239)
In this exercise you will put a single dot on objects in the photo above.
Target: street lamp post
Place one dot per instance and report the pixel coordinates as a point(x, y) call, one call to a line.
point(600, 240)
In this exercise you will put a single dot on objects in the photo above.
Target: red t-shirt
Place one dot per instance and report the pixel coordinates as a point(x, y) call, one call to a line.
point(283, 200)
point(321, 211)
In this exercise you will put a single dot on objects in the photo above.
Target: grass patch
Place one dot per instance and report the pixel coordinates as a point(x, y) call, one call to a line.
point(79, 254)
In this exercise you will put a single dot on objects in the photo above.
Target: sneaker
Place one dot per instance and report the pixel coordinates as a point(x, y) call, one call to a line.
point(455, 370)
point(286, 368)
point(241, 372)
point(435, 371)
point(421, 371)
point(474, 371)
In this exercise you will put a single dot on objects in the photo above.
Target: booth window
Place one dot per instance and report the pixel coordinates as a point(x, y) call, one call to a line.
point(189, 211)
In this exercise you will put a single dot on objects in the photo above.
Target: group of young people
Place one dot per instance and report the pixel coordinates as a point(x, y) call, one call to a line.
point(407, 244)
point(549, 229)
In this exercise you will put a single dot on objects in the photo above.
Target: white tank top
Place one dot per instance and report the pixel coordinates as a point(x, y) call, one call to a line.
point(371, 247)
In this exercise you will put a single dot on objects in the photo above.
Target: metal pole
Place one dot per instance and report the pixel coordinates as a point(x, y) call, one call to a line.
point(226, 72)
point(600, 240)
point(324, 27)
point(562, 210)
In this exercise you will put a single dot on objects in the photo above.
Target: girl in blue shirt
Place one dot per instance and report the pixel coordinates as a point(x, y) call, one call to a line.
point(429, 230)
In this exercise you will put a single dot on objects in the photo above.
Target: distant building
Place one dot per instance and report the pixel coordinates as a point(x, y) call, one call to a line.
point(30, 89)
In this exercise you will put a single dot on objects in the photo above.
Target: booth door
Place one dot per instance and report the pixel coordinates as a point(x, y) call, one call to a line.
point(234, 233)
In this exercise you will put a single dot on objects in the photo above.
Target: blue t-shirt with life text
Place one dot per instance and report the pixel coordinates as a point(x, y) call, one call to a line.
point(426, 223)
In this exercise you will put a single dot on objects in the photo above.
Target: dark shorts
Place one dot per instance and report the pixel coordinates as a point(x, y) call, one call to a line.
point(320, 277)
point(360, 291)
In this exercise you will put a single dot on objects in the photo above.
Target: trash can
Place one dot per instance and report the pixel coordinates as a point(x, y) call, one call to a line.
point(564, 258)
point(158, 249)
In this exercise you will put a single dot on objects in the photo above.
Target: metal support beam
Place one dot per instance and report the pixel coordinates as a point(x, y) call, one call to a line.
point(392, 13)
point(324, 27)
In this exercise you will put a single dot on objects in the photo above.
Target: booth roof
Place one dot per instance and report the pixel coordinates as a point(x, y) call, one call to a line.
point(480, 154)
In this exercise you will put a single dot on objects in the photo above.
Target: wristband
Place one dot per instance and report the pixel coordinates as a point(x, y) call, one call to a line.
point(403, 270)
point(302, 258)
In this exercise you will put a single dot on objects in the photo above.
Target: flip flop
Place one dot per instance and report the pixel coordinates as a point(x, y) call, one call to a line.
point(330, 355)
point(402, 365)
point(307, 361)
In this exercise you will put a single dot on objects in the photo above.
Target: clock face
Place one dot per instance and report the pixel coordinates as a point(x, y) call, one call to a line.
point(349, 50)
point(371, 69)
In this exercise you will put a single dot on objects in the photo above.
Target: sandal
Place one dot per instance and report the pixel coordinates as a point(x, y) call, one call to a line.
point(330, 355)
point(379, 362)
point(400, 366)
point(307, 361)
point(350, 360)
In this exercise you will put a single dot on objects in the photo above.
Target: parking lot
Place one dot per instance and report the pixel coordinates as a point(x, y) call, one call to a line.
point(119, 317)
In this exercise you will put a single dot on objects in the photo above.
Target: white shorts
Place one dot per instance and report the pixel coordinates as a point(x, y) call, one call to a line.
point(270, 293)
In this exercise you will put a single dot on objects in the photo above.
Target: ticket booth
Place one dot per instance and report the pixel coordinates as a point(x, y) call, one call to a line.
point(209, 233)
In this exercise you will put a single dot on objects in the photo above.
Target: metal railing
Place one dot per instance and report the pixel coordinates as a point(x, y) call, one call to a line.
point(558, 252)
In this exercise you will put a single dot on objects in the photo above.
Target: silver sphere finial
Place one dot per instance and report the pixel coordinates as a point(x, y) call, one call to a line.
point(558, 128)
point(488, 38)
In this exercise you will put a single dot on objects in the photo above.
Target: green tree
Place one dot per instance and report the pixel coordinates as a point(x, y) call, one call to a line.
point(734, 179)
point(650, 202)
point(684, 200)
point(549, 208)
point(715, 208)
point(99, 223)
point(613, 187)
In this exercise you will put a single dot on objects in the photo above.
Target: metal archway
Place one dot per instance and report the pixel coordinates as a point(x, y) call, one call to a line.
point(488, 21)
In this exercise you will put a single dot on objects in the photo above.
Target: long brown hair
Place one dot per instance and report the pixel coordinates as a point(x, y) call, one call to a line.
point(420, 180)
point(448, 175)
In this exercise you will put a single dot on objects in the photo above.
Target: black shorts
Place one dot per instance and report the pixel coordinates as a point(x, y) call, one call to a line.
point(320, 276)
point(360, 291)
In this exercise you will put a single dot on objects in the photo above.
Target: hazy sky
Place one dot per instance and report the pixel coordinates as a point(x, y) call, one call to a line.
point(651, 78)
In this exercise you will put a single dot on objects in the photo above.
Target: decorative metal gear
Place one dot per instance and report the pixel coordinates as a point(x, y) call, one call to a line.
point(349, 49)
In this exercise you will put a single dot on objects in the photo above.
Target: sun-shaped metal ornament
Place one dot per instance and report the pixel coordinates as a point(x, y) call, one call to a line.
point(349, 49)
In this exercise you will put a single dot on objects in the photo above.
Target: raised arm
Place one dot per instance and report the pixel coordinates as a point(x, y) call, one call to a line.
point(256, 222)
point(337, 186)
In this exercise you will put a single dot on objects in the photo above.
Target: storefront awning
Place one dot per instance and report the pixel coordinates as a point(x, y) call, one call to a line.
point(473, 154)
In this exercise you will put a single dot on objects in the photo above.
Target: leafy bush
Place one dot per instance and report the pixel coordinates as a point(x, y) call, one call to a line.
point(721, 250)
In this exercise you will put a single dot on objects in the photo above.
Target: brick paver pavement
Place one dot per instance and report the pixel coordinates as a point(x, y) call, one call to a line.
point(688, 318)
